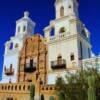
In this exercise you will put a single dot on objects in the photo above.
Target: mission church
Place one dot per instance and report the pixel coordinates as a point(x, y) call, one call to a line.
point(31, 58)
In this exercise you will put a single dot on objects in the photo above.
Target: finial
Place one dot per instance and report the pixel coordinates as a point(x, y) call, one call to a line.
point(26, 14)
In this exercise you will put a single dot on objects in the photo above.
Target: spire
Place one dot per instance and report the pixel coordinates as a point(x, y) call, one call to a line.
point(25, 25)
point(26, 14)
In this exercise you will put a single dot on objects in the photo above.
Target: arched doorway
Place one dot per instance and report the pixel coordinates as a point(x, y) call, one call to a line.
point(62, 11)
point(42, 97)
point(10, 98)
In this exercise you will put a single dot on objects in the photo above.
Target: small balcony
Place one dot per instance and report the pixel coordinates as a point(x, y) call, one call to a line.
point(9, 71)
point(58, 64)
point(29, 68)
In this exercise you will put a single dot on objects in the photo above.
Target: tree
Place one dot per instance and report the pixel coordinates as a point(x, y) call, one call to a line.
point(75, 85)
point(32, 92)
point(60, 87)
point(51, 98)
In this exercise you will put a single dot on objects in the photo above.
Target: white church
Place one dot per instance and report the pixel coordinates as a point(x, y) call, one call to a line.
point(70, 41)
point(66, 36)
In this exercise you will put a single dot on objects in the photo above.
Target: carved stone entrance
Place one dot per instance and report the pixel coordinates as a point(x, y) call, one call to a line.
point(10, 98)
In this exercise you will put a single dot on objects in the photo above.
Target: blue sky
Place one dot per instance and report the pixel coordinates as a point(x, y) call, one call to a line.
point(42, 11)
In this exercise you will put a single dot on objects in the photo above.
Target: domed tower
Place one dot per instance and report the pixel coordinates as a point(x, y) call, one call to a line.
point(67, 38)
point(24, 27)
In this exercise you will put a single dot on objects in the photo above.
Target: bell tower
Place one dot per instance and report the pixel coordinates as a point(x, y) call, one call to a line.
point(66, 18)
point(66, 8)
point(24, 27)
point(67, 39)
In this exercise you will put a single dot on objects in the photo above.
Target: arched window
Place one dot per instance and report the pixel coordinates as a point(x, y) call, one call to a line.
point(50, 88)
point(62, 30)
point(2, 87)
point(59, 59)
point(61, 11)
point(28, 87)
point(11, 66)
point(18, 29)
point(8, 87)
point(16, 87)
point(16, 45)
point(72, 57)
point(52, 31)
point(5, 87)
point(81, 51)
point(69, 6)
point(24, 87)
point(11, 46)
point(12, 88)
point(20, 87)
point(84, 33)
point(24, 28)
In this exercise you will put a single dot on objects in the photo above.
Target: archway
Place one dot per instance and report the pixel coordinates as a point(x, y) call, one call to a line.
point(10, 98)
point(62, 30)
point(42, 97)
point(62, 11)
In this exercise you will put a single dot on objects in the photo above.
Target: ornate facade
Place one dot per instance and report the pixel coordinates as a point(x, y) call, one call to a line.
point(32, 70)
point(33, 61)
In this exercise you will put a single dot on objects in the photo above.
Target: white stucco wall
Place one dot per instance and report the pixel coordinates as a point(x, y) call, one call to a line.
point(11, 56)
point(11, 59)
point(52, 77)
point(70, 42)
point(65, 48)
